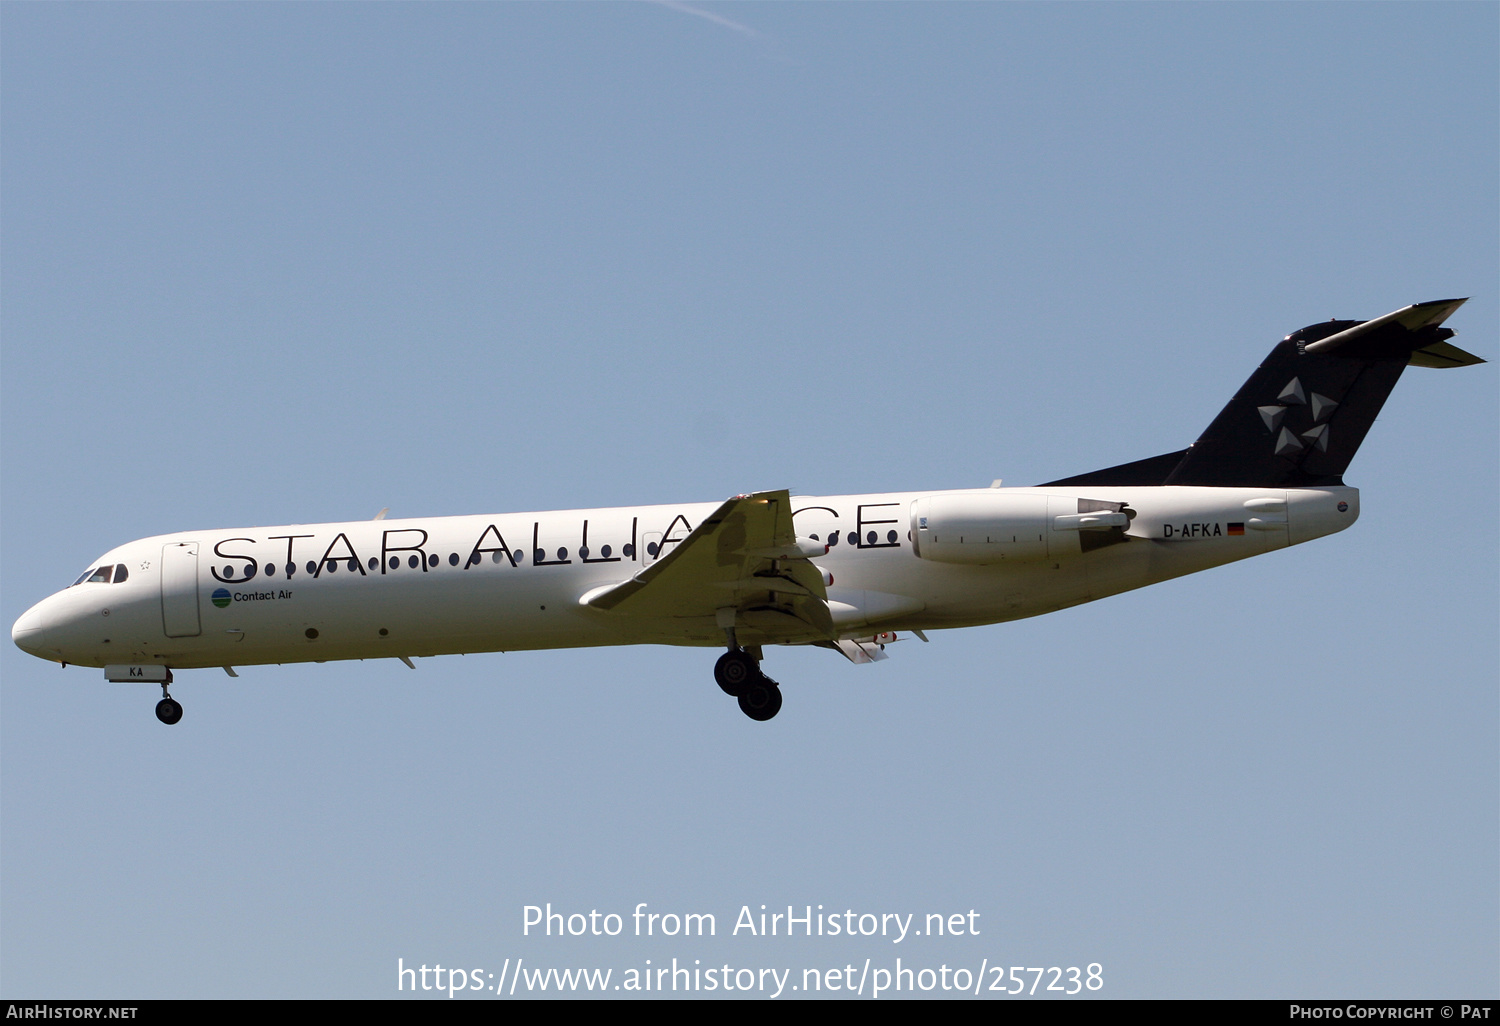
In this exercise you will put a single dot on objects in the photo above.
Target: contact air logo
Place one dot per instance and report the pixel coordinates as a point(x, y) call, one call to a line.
point(221, 597)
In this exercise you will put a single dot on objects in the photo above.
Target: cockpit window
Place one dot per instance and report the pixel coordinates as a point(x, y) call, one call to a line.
point(102, 575)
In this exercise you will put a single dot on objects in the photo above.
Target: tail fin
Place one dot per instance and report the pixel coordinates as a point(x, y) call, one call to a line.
point(1299, 419)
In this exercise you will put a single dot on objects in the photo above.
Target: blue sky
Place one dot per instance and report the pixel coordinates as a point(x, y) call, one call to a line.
point(294, 263)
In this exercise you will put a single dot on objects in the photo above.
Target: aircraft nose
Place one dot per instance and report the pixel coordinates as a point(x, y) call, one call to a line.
point(31, 633)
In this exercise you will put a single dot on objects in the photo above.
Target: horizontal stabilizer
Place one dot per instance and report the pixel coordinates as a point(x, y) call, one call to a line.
point(1441, 354)
point(1405, 323)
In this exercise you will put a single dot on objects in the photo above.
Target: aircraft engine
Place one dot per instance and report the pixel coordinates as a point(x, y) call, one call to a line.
point(996, 526)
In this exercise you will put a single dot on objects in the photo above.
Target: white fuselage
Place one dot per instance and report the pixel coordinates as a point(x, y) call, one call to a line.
point(429, 586)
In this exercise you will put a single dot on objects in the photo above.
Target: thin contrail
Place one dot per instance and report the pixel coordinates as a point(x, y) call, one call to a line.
point(717, 19)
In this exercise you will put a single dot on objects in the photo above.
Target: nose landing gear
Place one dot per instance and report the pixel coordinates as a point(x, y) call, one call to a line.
point(168, 710)
point(738, 675)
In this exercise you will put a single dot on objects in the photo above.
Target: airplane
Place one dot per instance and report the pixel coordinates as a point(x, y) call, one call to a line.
point(849, 573)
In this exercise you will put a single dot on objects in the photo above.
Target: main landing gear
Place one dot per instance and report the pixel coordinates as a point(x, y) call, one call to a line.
point(168, 710)
point(738, 674)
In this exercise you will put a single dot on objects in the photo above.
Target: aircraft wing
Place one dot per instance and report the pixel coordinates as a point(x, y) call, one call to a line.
point(744, 557)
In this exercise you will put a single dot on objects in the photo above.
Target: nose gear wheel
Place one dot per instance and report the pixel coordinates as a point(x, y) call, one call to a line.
point(168, 711)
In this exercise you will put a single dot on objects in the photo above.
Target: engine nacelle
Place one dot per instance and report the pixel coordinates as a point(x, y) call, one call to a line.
point(995, 526)
point(980, 527)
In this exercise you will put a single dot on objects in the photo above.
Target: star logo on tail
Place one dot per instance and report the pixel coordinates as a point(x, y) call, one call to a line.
point(1295, 407)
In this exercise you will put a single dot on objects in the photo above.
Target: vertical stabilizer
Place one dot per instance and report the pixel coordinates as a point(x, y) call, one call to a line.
point(1302, 415)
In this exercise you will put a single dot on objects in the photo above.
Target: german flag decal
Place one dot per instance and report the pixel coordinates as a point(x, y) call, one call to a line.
point(1236, 529)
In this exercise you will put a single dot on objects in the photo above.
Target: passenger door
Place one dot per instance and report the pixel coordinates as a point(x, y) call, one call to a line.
point(179, 590)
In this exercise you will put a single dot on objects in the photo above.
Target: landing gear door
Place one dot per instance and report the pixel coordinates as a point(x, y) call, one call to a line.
point(179, 590)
